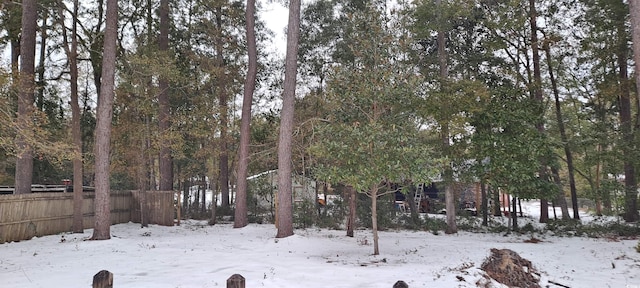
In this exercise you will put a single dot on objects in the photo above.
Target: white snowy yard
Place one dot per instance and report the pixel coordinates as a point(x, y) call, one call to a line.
point(197, 255)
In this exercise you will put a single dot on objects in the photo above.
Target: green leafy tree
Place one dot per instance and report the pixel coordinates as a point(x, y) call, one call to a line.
point(372, 137)
point(606, 48)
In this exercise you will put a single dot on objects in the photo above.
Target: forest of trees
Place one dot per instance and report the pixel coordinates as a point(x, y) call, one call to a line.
point(534, 98)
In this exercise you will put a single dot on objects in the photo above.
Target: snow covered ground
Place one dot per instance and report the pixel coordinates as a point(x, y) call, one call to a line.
point(197, 255)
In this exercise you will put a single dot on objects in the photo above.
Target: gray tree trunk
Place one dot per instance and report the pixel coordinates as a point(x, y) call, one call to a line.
point(450, 201)
point(24, 159)
point(374, 218)
point(223, 164)
point(76, 133)
point(164, 115)
point(565, 144)
point(284, 211)
point(536, 88)
point(353, 205)
point(103, 125)
point(240, 219)
point(631, 197)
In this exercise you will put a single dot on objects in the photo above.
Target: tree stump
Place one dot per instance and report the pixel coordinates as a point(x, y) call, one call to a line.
point(236, 281)
point(103, 279)
point(400, 284)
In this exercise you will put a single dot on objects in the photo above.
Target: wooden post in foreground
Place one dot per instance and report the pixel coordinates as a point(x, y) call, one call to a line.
point(103, 279)
point(400, 284)
point(235, 281)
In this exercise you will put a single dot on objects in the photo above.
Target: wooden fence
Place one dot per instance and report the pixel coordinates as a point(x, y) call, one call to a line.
point(37, 214)
point(161, 207)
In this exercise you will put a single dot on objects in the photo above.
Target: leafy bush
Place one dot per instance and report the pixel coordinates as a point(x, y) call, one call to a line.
point(304, 214)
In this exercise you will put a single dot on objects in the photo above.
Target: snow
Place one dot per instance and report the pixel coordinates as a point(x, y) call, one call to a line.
point(198, 255)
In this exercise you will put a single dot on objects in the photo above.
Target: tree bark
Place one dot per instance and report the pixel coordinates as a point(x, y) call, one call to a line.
point(14, 10)
point(497, 206)
point(96, 45)
point(164, 114)
point(565, 141)
point(484, 205)
point(374, 218)
point(240, 219)
point(536, 86)
point(24, 159)
point(634, 13)
point(103, 125)
point(631, 195)
point(41, 62)
point(223, 164)
point(514, 213)
point(353, 205)
point(560, 200)
point(284, 211)
point(450, 201)
point(76, 133)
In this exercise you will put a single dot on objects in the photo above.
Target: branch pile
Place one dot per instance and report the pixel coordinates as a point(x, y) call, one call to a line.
point(508, 268)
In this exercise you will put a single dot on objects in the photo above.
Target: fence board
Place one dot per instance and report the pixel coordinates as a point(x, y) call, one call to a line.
point(37, 214)
point(161, 207)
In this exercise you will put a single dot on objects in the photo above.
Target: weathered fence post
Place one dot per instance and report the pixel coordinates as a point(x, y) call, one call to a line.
point(235, 281)
point(103, 279)
point(400, 284)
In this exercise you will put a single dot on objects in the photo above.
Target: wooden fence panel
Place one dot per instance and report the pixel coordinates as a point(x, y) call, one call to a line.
point(37, 214)
point(161, 207)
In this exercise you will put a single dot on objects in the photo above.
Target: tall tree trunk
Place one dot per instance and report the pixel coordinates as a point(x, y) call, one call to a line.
point(15, 57)
point(24, 159)
point(560, 200)
point(497, 205)
point(76, 133)
point(164, 115)
point(537, 95)
point(41, 63)
point(186, 189)
point(596, 185)
point(203, 208)
point(485, 201)
point(450, 195)
point(284, 211)
point(103, 125)
point(565, 140)
point(514, 213)
point(634, 13)
point(143, 178)
point(13, 10)
point(631, 196)
point(374, 218)
point(626, 126)
point(353, 205)
point(240, 219)
point(450, 201)
point(95, 49)
point(224, 114)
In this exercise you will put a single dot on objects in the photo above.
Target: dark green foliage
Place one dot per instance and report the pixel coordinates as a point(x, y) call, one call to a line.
point(595, 229)
point(305, 214)
point(511, 144)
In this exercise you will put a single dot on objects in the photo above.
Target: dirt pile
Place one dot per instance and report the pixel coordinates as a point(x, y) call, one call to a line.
point(508, 268)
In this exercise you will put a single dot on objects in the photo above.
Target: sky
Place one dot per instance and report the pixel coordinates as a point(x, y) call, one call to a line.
point(197, 255)
point(276, 16)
